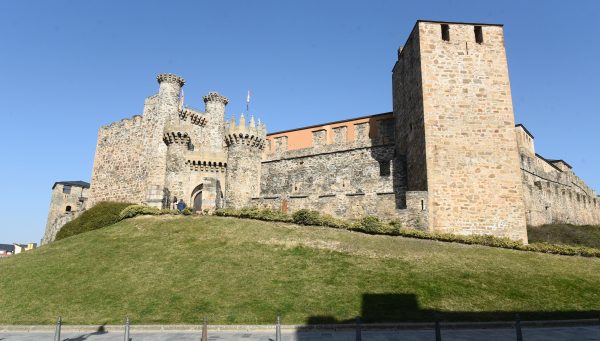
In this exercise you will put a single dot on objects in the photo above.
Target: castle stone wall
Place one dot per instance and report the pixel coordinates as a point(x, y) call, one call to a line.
point(553, 193)
point(553, 196)
point(121, 163)
point(347, 179)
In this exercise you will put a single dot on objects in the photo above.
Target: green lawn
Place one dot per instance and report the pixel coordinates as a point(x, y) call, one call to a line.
point(178, 269)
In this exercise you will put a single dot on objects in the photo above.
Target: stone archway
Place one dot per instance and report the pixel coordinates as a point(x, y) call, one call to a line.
point(197, 198)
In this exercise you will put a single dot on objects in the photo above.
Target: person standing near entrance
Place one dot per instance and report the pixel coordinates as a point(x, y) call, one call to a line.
point(181, 205)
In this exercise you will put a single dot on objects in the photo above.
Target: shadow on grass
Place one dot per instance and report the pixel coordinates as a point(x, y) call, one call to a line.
point(101, 330)
point(394, 308)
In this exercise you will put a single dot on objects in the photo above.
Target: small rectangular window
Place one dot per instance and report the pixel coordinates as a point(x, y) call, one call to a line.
point(445, 32)
point(384, 168)
point(66, 189)
point(478, 35)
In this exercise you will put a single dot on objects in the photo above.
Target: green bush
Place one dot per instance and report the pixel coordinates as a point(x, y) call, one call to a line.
point(328, 220)
point(307, 217)
point(101, 215)
point(136, 210)
point(265, 214)
point(187, 211)
point(371, 225)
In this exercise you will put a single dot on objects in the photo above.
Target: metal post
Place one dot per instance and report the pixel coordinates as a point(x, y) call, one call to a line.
point(358, 331)
point(57, 331)
point(204, 330)
point(127, 328)
point(278, 329)
point(438, 330)
point(518, 327)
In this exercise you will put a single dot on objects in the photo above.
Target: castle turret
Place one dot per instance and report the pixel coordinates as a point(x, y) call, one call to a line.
point(165, 113)
point(168, 94)
point(245, 144)
point(215, 114)
point(177, 138)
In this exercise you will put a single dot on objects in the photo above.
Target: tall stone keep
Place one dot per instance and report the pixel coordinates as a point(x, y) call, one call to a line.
point(455, 121)
point(245, 144)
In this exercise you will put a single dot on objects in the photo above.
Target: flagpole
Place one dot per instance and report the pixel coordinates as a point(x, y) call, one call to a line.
point(248, 103)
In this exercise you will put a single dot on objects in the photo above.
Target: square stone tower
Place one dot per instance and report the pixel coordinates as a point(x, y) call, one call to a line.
point(456, 130)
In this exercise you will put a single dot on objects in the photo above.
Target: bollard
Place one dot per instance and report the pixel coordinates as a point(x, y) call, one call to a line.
point(58, 326)
point(127, 328)
point(278, 329)
point(438, 330)
point(358, 331)
point(204, 331)
point(518, 327)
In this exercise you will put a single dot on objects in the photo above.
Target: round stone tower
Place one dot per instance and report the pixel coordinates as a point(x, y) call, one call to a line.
point(245, 144)
point(177, 139)
point(168, 100)
point(215, 115)
point(165, 111)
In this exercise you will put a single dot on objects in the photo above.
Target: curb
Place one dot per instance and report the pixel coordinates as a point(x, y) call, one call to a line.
point(298, 328)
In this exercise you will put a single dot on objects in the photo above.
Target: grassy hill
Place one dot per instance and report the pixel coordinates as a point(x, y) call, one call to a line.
point(171, 269)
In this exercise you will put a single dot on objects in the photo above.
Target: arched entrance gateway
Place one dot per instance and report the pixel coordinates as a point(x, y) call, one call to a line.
point(197, 198)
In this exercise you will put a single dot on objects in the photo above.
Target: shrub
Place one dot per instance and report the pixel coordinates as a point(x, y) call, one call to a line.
point(307, 217)
point(372, 225)
point(187, 211)
point(265, 214)
point(328, 220)
point(101, 215)
point(136, 210)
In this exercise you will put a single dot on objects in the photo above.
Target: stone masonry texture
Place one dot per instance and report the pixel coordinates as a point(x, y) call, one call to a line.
point(448, 158)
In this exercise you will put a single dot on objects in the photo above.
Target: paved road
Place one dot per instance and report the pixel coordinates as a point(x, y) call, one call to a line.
point(501, 334)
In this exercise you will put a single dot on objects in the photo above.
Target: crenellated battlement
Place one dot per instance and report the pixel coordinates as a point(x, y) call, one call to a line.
point(177, 137)
point(193, 116)
point(170, 78)
point(253, 134)
point(206, 166)
point(215, 97)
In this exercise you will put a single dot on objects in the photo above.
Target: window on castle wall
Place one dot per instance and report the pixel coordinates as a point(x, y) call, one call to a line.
point(68, 209)
point(445, 32)
point(66, 189)
point(478, 35)
point(384, 168)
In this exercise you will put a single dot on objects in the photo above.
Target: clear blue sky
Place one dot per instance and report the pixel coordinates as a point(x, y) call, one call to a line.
point(69, 67)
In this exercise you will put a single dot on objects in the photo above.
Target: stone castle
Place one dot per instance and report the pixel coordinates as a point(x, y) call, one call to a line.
point(448, 158)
